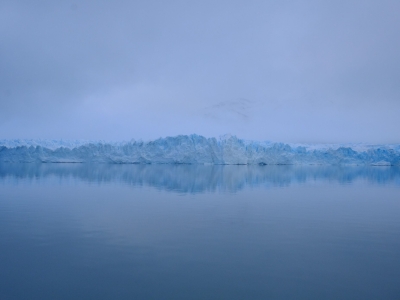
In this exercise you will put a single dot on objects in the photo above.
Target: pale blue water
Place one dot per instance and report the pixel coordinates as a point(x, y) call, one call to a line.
point(75, 231)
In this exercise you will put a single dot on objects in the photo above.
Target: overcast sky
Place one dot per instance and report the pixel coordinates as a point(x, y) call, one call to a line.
point(291, 71)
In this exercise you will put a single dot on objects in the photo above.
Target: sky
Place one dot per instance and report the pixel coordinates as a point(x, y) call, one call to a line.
point(288, 71)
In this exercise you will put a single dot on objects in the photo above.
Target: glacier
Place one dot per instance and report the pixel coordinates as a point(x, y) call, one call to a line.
point(196, 149)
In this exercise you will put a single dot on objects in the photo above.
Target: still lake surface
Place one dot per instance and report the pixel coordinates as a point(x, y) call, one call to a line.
point(77, 231)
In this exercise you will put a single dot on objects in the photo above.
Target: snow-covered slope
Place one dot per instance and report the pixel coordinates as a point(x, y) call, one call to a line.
point(195, 149)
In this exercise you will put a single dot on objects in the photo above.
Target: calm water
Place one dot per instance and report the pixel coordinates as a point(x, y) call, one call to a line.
point(73, 231)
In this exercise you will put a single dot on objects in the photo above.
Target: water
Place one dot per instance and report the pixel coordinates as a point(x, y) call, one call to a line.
point(76, 231)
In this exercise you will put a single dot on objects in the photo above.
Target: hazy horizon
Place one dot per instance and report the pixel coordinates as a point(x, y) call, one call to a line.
point(289, 71)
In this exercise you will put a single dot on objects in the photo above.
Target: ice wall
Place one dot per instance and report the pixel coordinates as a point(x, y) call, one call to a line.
point(195, 149)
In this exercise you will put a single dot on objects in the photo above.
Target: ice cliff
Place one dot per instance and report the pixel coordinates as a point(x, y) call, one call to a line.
point(195, 149)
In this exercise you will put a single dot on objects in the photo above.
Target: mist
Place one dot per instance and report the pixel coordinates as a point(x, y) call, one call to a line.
point(290, 71)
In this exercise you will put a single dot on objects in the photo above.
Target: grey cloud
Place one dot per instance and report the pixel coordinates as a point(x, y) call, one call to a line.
point(300, 61)
point(236, 110)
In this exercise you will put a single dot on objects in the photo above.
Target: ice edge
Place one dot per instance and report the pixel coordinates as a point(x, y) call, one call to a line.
point(196, 149)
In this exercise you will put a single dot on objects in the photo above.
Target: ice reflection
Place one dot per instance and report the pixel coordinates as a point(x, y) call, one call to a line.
point(201, 178)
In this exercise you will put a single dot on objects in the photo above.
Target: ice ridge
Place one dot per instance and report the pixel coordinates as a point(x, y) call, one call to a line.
point(196, 149)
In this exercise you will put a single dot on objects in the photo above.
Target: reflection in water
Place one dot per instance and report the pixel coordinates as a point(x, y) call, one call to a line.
point(81, 231)
point(202, 178)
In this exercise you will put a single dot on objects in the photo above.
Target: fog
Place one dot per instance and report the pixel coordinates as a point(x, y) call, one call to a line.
point(291, 71)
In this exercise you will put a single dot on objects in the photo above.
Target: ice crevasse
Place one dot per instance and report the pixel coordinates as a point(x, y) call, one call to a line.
point(196, 149)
